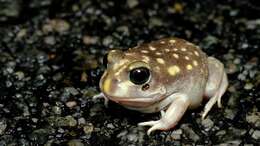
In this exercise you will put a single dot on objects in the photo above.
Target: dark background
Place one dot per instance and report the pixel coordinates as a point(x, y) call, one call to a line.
point(51, 60)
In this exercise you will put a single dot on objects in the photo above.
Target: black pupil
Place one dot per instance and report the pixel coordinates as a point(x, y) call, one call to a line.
point(139, 75)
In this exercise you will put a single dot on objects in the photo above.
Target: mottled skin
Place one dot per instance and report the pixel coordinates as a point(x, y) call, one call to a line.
point(181, 75)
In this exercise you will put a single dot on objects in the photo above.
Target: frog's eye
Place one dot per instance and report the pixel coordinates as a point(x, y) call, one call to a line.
point(139, 75)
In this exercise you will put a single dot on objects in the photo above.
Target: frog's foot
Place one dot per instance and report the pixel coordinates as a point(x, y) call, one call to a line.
point(216, 85)
point(171, 117)
point(155, 125)
point(101, 95)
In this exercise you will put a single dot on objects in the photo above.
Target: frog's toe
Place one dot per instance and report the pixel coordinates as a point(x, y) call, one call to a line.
point(97, 96)
point(219, 102)
point(148, 123)
point(158, 126)
point(101, 95)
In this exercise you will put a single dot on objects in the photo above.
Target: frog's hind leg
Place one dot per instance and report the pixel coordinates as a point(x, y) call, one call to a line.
point(216, 85)
point(171, 117)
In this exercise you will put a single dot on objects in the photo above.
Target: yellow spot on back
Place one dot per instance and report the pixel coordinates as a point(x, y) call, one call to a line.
point(183, 49)
point(196, 53)
point(195, 63)
point(172, 41)
point(187, 58)
point(157, 68)
point(173, 70)
point(167, 50)
point(152, 48)
point(146, 59)
point(117, 73)
point(162, 42)
point(189, 67)
point(144, 51)
point(175, 49)
point(175, 55)
point(160, 60)
point(158, 53)
point(106, 85)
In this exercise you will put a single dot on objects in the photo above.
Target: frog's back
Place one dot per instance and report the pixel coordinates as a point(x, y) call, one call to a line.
point(178, 64)
point(174, 58)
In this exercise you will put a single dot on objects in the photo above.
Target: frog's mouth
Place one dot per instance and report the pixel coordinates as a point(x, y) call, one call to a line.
point(138, 101)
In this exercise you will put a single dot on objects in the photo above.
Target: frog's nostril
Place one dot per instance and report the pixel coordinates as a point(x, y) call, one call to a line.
point(145, 87)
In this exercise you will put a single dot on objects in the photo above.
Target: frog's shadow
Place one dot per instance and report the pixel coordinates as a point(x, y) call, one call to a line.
point(134, 117)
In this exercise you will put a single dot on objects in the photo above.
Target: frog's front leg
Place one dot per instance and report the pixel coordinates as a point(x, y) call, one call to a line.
point(101, 95)
point(172, 115)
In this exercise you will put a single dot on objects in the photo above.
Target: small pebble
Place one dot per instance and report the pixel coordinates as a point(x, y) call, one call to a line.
point(3, 126)
point(253, 118)
point(81, 121)
point(229, 113)
point(207, 124)
point(22, 33)
point(90, 40)
point(110, 125)
point(20, 75)
point(57, 25)
point(176, 134)
point(57, 110)
point(75, 142)
point(107, 41)
point(49, 40)
point(72, 91)
point(88, 128)
point(256, 134)
point(71, 104)
point(189, 132)
point(248, 86)
point(132, 3)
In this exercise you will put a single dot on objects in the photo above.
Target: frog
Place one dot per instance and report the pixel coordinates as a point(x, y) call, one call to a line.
point(169, 75)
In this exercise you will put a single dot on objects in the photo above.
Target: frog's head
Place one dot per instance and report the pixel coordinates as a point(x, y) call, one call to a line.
point(131, 80)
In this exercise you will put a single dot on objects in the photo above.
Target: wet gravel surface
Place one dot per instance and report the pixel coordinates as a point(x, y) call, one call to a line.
point(51, 61)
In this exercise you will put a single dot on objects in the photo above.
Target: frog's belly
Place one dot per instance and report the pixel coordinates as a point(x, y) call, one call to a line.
point(195, 91)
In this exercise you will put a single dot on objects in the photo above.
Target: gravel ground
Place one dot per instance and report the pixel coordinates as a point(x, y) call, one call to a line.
point(51, 61)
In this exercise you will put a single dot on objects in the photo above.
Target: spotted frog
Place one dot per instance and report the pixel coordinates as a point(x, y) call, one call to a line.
point(169, 75)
